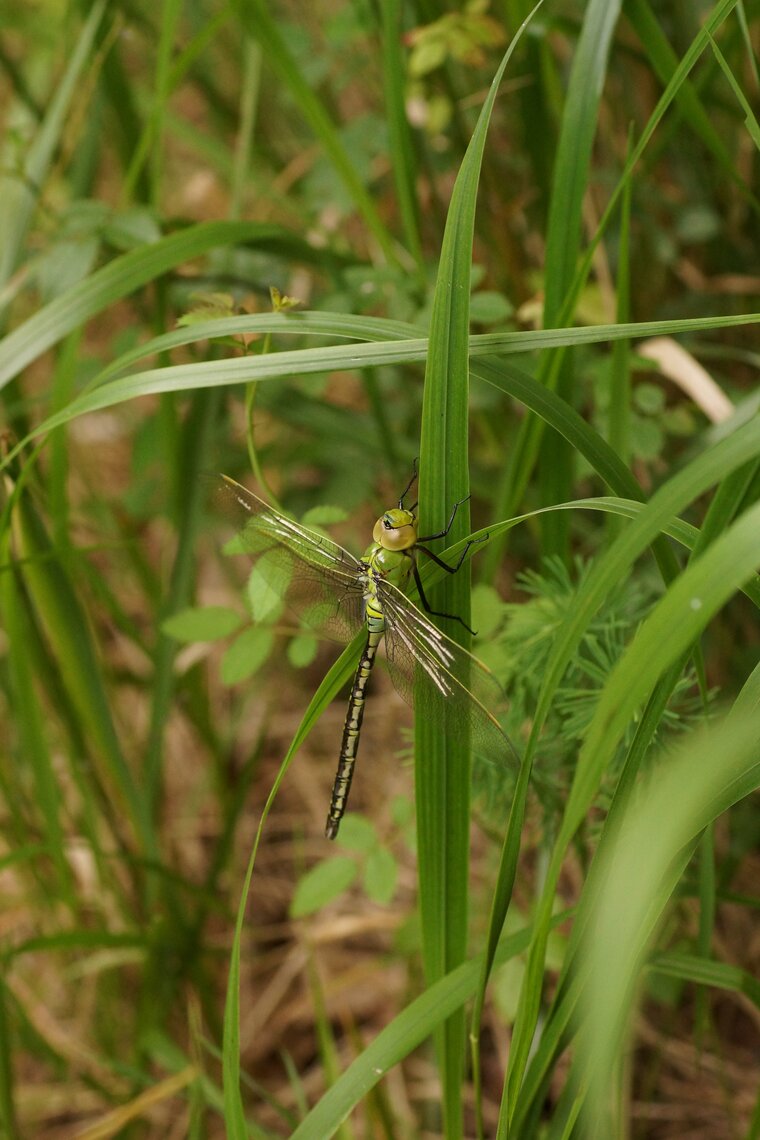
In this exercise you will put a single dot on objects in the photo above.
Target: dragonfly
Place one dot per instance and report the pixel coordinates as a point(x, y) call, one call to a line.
point(337, 594)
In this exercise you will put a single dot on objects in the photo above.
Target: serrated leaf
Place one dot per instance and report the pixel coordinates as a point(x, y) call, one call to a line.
point(380, 876)
point(201, 623)
point(322, 884)
point(246, 655)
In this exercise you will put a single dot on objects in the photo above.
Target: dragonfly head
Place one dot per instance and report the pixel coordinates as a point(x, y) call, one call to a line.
point(396, 529)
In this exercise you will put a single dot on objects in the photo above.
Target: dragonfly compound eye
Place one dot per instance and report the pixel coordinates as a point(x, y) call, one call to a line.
point(396, 530)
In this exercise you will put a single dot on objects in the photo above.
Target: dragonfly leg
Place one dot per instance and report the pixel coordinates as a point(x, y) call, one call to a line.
point(449, 524)
point(407, 489)
point(444, 565)
point(425, 603)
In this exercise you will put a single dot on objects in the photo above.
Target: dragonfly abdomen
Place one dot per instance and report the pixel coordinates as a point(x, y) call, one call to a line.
point(351, 730)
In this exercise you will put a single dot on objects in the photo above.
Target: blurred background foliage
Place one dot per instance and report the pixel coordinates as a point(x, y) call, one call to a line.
point(143, 716)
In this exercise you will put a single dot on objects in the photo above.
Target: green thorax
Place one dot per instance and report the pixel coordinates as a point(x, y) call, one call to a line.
point(395, 565)
point(389, 557)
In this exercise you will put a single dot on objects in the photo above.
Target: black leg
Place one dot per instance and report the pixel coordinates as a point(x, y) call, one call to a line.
point(426, 604)
point(449, 524)
point(444, 565)
point(407, 489)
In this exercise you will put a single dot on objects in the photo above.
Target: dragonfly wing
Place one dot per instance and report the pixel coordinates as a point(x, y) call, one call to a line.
point(316, 577)
point(441, 680)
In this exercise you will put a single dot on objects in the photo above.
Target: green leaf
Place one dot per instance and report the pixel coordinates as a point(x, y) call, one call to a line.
point(380, 876)
point(246, 655)
point(322, 884)
point(357, 833)
point(487, 609)
point(201, 623)
point(302, 649)
point(489, 307)
point(649, 398)
point(324, 515)
point(63, 265)
point(267, 584)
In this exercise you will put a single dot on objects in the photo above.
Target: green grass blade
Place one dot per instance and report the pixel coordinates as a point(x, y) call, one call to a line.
point(335, 358)
point(19, 195)
point(665, 62)
point(123, 276)
point(193, 456)
point(640, 874)
point(620, 368)
point(674, 624)
point(412, 344)
point(29, 721)
point(569, 185)
point(399, 134)
point(408, 1030)
point(706, 972)
point(750, 119)
point(442, 765)
point(572, 163)
point(693, 480)
point(556, 1025)
point(150, 146)
point(65, 623)
point(7, 1045)
point(255, 17)
point(526, 448)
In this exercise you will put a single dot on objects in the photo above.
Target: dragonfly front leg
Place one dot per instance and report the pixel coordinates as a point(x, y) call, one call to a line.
point(444, 565)
point(449, 524)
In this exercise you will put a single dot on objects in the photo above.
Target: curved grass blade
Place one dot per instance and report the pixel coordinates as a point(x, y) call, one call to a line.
point(123, 276)
point(18, 198)
point(335, 358)
point(396, 1041)
point(669, 631)
point(640, 875)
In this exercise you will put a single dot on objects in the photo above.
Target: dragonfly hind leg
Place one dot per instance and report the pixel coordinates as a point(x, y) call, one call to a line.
point(451, 570)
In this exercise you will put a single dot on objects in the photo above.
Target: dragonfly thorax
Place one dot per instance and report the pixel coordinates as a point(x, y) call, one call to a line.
point(396, 529)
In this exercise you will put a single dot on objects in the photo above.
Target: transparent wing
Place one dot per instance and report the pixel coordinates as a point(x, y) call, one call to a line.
point(441, 680)
point(320, 580)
